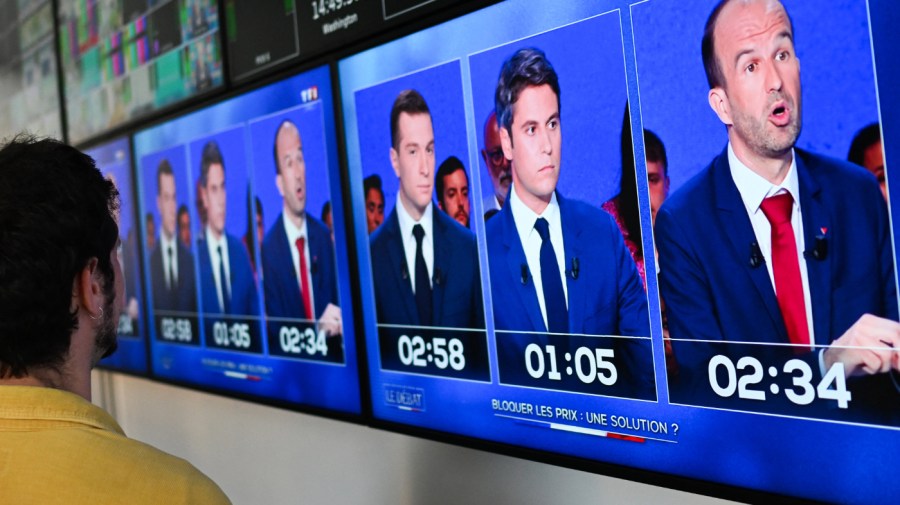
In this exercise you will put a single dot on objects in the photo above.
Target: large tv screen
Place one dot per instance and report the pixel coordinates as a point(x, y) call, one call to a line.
point(123, 59)
point(114, 161)
point(554, 253)
point(30, 98)
point(248, 261)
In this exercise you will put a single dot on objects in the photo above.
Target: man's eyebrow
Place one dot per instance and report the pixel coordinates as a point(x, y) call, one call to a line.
point(786, 34)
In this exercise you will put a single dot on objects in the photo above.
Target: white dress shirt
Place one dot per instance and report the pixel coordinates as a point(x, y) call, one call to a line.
point(169, 259)
point(409, 240)
point(293, 233)
point(214, 244)
point(531, 242)
point(754, 189)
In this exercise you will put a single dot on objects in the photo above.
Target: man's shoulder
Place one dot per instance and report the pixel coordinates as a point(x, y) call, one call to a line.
point(447, 228)
point(159, 470)
point(579, 216)
point(836, 172)
point(317, 229)
point(386, 233)
point(274, 233)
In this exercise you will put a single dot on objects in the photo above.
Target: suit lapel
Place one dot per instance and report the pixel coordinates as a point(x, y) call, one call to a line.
point(398, 269)
point(572, 245)
point(439, 271)
point(515, 260)
point(735, 224)
point(293, 295)
point(816, 223)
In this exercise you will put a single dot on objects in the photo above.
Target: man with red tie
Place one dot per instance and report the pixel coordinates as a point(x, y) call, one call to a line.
point(297, 252)
point(771, 244)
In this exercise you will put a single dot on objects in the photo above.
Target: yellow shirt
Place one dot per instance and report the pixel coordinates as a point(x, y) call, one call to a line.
point(58, 448)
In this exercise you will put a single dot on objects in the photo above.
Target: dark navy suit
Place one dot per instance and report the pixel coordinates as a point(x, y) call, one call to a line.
point(456, 281)
point(606, 298)
point(184, 297)
point(244, 299)
point(712, 292)
point(280, 283)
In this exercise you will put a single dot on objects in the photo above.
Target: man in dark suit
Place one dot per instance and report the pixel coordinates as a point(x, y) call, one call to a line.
point(771, 244)
point(298, 243)
point(559, 266)
point(226, 278)
point(424, 264)
point(171, 263)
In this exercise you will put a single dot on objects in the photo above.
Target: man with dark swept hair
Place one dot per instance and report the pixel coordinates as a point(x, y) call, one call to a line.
point(171, 262)
point(227, 285)
point(424, 264)
point(410, 102)
point(572, 272)
point(771, 244)
point(61, 288)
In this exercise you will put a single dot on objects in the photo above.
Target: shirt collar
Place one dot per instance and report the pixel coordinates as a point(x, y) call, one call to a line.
point(166, 242)
point(525, 218)
point(293, 233)
point(407, 222)
point(213, 242)
point(29, 403)
point(754, 188)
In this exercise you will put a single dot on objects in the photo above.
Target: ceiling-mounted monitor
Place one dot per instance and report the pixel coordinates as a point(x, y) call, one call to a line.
point(529, 179)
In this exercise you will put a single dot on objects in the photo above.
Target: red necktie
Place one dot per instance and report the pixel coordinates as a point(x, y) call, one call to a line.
point(304, 281)
point(786, 269)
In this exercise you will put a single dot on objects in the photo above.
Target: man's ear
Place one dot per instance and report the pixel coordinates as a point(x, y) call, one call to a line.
point(87, 289)
point(395, 162)
point(279, 183)
point(506, 143)
point(718, 102)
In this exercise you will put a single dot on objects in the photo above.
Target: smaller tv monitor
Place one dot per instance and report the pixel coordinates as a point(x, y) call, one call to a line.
point(247, 266)
point(114, 161)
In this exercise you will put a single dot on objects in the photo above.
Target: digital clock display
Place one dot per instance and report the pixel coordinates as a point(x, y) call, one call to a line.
point(438, 352)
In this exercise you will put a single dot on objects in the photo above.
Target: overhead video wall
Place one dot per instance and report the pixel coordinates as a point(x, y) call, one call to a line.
point(641, 238)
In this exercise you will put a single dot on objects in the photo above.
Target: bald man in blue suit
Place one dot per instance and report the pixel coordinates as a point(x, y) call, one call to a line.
point(587, 282)
point(281, 262)
point(825, 297)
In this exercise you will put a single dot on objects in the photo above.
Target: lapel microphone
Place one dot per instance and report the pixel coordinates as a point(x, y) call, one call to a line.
point(314, 268)
point(573, 272)
point(819, 250)
point(403, 270)
point(524, 274)
point(756, 256)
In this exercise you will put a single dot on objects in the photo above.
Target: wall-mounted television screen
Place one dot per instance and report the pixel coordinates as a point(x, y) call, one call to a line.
point(114, 160)
point(123, 59)
point(248, 262)
point(585, 231)
point(30, 98)
point(263, 35)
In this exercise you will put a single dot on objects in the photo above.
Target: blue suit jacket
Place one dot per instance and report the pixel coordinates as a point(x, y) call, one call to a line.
point(606, 298)
point(280, 284)
point(456, 279)
point(244, 298)
point(184, 297)
point(712, 293)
